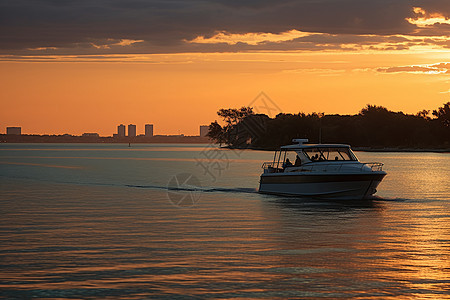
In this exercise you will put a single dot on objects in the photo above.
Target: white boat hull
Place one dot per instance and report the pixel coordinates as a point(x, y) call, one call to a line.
point(330, 186)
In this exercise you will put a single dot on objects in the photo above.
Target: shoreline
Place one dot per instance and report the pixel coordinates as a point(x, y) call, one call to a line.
point(406, 150)
point(195, 140)
point(371, 149)
point(66, 139)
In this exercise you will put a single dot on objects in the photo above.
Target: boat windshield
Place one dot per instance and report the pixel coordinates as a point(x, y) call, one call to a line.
point(328, 153)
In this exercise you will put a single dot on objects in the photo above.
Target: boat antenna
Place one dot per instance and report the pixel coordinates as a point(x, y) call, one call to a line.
point(320, 132)
point(320, 127)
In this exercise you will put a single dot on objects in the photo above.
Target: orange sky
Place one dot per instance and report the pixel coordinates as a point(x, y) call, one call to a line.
point(70, 82)
point(179, 92)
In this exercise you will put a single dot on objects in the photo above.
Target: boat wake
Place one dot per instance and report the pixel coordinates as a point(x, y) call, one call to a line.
point(385, 199)
point(180, 188)
point(191, 188)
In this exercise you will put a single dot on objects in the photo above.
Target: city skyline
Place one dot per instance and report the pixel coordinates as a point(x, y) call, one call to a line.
point(121, 131)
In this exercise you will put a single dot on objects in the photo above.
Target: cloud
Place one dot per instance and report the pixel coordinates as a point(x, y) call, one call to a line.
point(423, 19)
point(100, 46)
point(316, 71)
point(310, 41)
point(441, 68)
point(42, 48)
point(172, 26)
point(249, 38)
point(112, 42)
point(127, 42)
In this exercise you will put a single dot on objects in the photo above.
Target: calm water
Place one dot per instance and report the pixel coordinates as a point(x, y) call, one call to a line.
point(97, 221)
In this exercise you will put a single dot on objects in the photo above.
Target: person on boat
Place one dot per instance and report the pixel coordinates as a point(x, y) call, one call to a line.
point(298, 161)
point(287, 163)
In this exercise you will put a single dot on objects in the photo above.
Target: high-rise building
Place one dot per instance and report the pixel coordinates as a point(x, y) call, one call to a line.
point(121, 130)
point(131, 130)
point(14, 130)
point(204, 129)
point(148, 130)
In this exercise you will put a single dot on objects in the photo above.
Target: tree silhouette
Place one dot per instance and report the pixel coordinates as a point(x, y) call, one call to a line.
point(216, 133)
point(375, 127)
point(443, 114)
point(232, 115)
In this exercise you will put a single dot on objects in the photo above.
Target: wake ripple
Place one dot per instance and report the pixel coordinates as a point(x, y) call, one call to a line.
point(197, 189)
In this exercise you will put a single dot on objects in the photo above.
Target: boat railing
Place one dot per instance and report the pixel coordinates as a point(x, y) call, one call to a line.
point(375, 166)
point(269, 167)
point(267, 164)
point(311, 167)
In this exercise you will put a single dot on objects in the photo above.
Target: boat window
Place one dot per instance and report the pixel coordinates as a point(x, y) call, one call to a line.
point(291, 158)
point(286, 158)
point(345, 154)
point(329, 154)
point(314, 154)
point(352, 155)
point(339, 154)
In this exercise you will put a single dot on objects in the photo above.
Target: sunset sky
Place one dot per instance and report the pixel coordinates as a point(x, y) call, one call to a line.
point(87, 66)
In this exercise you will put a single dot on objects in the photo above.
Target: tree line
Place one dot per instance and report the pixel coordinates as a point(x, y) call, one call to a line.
point(374, 127)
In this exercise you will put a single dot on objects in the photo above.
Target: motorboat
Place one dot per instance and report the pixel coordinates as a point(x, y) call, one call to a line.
point(325, 171)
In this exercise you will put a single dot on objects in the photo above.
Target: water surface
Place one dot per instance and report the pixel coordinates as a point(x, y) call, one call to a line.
point(97, 221)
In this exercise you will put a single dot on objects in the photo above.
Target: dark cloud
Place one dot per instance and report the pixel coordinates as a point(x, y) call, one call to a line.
point(164, 25)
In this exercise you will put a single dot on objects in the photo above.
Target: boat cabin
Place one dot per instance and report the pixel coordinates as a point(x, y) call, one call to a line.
point(300, 154)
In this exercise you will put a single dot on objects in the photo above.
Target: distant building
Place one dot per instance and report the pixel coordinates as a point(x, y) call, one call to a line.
point(91, 134)
point(148, 130)
point(14, 130)
point(121, 130)
point(131, 130)
point(173, 135)
point(204, 129)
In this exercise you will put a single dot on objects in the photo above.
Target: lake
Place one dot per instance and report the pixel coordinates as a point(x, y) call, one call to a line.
point(98, 221)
